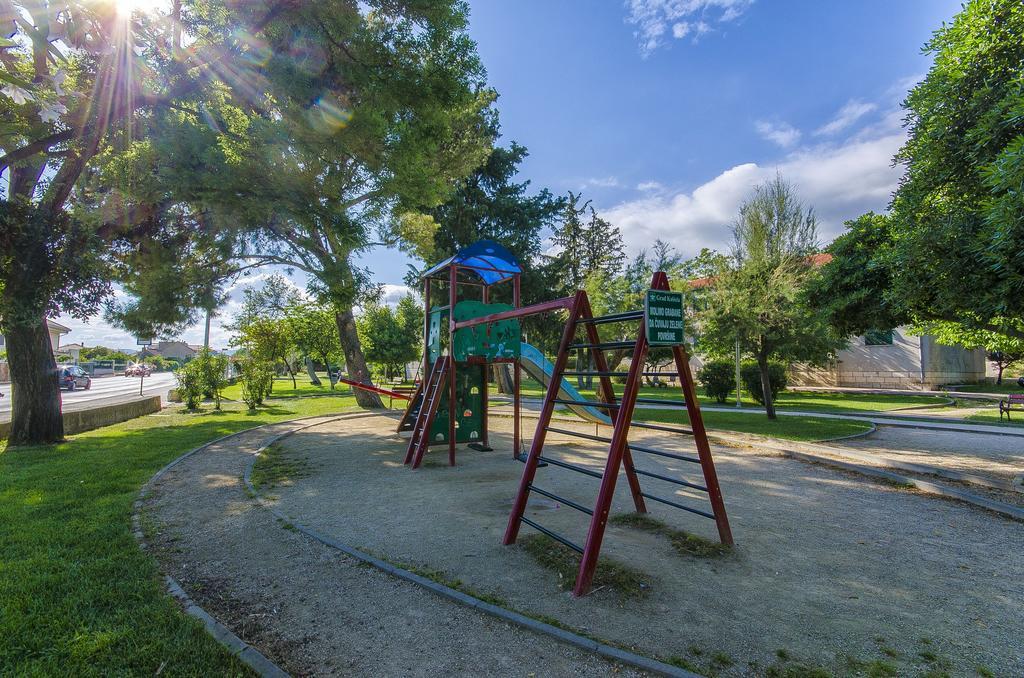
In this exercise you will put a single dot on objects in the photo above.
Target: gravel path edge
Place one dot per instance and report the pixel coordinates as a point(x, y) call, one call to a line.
point(222, 634)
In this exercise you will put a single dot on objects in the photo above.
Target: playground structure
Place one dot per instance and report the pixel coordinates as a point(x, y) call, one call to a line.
point(464, 337)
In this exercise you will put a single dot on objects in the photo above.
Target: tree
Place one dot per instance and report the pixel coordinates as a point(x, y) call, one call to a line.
point(758, 300)
point(950, 248)
point(490, 204)
point(262, 324)
point(1001, 349)
point(392, 337)
point(400, 113)
point(81, 79)
point(314, 333)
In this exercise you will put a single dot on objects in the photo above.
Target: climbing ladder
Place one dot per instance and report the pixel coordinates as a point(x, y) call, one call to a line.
point(433, 391)
point(619, 448)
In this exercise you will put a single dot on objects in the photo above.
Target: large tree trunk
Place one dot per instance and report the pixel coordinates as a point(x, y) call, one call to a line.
point(35, 393)
point(766, 385)
point(354, 360)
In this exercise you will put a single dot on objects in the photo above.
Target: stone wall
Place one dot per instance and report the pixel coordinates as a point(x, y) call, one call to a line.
point(78, 421)
point(5, 373)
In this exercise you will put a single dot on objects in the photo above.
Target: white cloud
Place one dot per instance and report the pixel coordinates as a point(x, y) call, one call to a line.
point(654, 18)
point(781, 133)
point(840, 181)
point(394, 293)
point(850, 113)
point(649, 186)
point(602, 182)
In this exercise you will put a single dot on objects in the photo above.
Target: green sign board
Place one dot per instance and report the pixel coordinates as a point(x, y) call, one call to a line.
point(663, 317)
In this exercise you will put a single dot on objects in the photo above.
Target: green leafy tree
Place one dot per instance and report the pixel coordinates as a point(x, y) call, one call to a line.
point(262, 324)
point(391, 337)
point(759, 299)
point(950, 248)
point(314, 333)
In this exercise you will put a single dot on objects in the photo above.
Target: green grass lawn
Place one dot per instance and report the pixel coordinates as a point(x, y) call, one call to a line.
point(304, 388)
point(812, 402)
point(802, 428)
point(77, 594)
point(991, 416)
point(1009, 385)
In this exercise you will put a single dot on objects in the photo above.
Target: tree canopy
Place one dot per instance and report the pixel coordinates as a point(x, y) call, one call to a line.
point(952, 247)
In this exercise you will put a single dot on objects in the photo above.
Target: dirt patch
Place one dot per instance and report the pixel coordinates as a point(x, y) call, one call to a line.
point(311, 609)
point(824, 561)
point(564, 562)
point(682, 541)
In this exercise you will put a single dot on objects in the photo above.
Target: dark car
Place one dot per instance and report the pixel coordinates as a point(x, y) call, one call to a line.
point(74, 377)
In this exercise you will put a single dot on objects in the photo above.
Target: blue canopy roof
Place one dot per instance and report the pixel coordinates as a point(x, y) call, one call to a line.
point(492, 262)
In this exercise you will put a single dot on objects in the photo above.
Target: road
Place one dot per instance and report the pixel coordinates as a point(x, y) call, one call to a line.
point(104, 391)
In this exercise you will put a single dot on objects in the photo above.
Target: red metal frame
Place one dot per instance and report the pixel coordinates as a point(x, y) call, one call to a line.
point(375, 389)
point(618, 452)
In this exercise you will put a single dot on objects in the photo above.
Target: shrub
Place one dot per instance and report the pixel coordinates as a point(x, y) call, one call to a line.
point(751, 376)
point(190, 385)
point(212, 370)
point(256, 376)
point(718, 377)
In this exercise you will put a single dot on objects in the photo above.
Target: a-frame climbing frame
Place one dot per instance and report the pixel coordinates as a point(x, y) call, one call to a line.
point(619, 448)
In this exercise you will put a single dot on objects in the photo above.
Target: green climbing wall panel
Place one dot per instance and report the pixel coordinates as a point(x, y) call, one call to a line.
point(493, 340)
point(469, 385)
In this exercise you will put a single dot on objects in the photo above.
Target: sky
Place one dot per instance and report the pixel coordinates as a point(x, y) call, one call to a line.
point(666, 113)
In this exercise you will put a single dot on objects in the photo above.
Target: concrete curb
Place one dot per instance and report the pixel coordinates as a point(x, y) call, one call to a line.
point(222, 634)
point(607, 651)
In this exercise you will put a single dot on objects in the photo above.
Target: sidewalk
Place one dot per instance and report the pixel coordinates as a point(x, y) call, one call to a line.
point(966, 395)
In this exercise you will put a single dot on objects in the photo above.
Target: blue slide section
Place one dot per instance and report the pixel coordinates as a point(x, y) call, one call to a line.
point(538, 367)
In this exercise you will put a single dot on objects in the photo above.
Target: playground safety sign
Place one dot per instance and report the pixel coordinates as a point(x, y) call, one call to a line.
point(663, 317)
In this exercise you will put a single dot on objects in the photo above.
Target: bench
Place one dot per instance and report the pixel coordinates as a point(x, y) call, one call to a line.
point(1012, 401)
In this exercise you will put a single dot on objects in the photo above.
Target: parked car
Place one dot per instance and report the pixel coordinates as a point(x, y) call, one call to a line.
point(74, 377)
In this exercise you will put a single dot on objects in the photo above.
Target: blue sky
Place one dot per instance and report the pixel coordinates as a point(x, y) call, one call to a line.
point(667, 112)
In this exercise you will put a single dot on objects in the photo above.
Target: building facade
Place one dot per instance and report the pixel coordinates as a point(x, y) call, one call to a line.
point(898, 360)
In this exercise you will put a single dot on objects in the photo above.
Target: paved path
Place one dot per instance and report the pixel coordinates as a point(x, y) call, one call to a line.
point(995, 456)
point(311, 609)
point(967, 394)
point(104, 391)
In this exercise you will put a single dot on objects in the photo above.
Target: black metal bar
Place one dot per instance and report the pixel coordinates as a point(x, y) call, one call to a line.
point(557, 537)
point(661, 401)
point(571, 467)
point(656, 427)
point(605, 346)
point(679, 506)
point(614, 318)
point(585, 403)
point(672, 480)
point(635, 448)
point(659, 453)
point(567, 502)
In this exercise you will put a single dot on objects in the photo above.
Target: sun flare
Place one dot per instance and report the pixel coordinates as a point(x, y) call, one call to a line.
point(129, 7)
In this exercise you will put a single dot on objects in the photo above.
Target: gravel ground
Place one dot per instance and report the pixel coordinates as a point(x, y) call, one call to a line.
point(313, 610)
point(830, 569)
point(1000, 457)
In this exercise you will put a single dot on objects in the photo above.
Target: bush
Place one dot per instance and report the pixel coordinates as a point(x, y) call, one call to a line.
point(213, 373)
point(257, 376)
point(190, 385)
point(203, 377)
point(751, 376)
point(718, 377)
